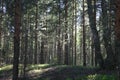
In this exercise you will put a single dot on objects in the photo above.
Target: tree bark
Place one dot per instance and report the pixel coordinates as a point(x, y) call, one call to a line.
point(42, 52)
point(36, 34)
point(66, 34)
point(92, 21)
point(84, 36)
point(75, 24)
point(17, 20)
point(109, 61)
point(117, 35)
point(1, 15)
point(59, 40)
point(26, 48)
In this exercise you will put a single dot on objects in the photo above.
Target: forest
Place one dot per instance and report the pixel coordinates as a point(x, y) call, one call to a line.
point(59, 39)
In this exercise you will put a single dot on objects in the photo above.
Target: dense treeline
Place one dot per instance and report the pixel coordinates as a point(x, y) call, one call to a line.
point(70, 32)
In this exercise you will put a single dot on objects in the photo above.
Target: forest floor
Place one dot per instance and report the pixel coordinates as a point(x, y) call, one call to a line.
point(59, 72)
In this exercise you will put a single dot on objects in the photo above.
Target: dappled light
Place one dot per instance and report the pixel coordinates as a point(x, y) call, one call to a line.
point(59, 40)
point(39, 66)
point(48, 72)
point(6, 72)
point(5, 67)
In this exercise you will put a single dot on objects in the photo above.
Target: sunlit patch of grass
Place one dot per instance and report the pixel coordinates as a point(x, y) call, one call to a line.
point(44, 66)
point(35, 71)
point(5, 71)
point(7, 67)
point(39, 66)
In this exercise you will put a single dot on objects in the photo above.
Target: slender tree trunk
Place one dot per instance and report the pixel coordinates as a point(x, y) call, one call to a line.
point(92, 52)
point(75, 21)
point(31, 57)
point(84, 36)
point(17, 19)
point(72, 41)
point(66, 34)
point(94, 23)
point(36, 37)
point(1, 14)
point(25, 56)
point(54, 47)
point(42, 52)
point(47, 39)
point(26, 48)
point(59, 41)
point(21, 55)
point(1, 30)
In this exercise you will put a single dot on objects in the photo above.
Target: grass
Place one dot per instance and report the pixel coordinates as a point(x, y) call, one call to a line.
point(101, 77)
point(89, 77)
point(6, 67)
point(5, 71)
point(39, 66)
point(71, 70)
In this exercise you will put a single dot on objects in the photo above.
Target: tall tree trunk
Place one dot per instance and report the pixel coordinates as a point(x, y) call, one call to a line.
point(75, 24)
point(84, 36)
point(109, 61)
point(17, 20)
point(36, 37)
point(66, 34)
point(31, 57)
point(26, 48)
point(117, 34)
point(92, 21)
point(72, 41)
point(42, 52)
point(59, 41)
point(1, 15)
point(92, 51)
point(72, 35)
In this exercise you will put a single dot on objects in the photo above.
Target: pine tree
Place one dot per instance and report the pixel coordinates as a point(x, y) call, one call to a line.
point(96, 38)
point(17, 20)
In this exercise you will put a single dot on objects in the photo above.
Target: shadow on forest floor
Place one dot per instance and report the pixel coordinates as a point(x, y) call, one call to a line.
point(74, 73)
point(59, 72)
point(5, 72)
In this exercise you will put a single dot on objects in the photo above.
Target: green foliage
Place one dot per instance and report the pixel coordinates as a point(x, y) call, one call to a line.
point(103, 77)
point(61, 70)
point(97, 77)
point(7, 69)
point(89, 77)
point(68, 79)
point(4, 68)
